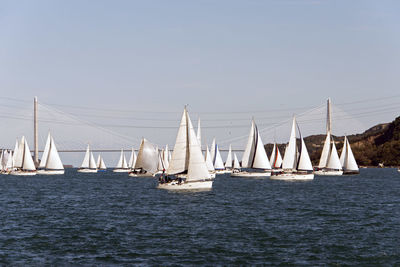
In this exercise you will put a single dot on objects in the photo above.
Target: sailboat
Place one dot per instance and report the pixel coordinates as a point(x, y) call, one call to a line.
point(50, 163)
point(236, 164)
point(255, 162)
point(147, 160)
point(7, 162)
point(101, 166)
point(132, 159)
point(347, 159)
point(276, 159)
point(210, 165)
point(165, 157)
point(217, 159)
point(186, 158)
point(122, 165)
point(296, 163)
point(88, 164)
point(23, 164)
point(229, 161)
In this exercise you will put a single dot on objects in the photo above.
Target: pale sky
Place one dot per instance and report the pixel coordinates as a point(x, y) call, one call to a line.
point(135, 64)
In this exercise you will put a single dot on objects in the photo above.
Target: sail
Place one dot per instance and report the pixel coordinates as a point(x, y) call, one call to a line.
point(1, 160)
point(28, 164)
point(122, 164)
point(197, 169)
point(228, 162)
point(100, 163)
point(236, 163)
point(15, 153)
point(212, 151)
point(160, 165)
point(147, 158)
point(334, 162)
point(304, 161)
point(210, 165)
point(19, 154)
point(86, 159)
point(218, 162)
point(198, 132)
point(323, 161)
point(278, 158)
point(45, 154)
point(260, 159)
point(344, 151)
point(289, 159)
point(92, 162)
point(350, 163)
point(53, 161)
point(179, 160)
point(248, 153)
point(132, 159)
point(165, 157)
point(273, 156)
point(9, 164)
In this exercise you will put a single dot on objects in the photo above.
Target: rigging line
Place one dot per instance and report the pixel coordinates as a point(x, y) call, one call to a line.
point(91, 124)
point(367, 100)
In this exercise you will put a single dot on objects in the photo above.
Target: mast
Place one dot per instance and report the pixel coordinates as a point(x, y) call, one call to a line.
point(328, 117)
point(35, 130)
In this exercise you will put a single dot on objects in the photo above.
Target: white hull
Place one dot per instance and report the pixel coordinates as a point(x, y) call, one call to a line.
point(87, 170)
point(250, 174)
point(293, 176)
point(23, 173)
point(276, 170)
point(174, 185)
point(50, 172)
point(222, 171)
point(148, 175)
point(121, 170)
point(328, 173)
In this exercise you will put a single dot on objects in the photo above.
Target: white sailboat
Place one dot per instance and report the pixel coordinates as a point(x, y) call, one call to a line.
point(255, 162)
point(23, 164)
point(276, 159)
point(50, 164)
point(236, 164)
point(132, 159)
point(296, 163)
point(165, 157)
point(101, 166)
point(347, 159)
point(88, 164)
point(229, 161)
point(210, 165)
point(122, 165)
point(146, 162)
point(329, 164)
point(188, 159)
point(7, 162)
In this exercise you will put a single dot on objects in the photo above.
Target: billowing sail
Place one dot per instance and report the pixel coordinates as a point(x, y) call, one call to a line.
point(334, 162)
point(236, 163)
point(147, 158)
point(323, 161)
point(210, 165)
point(228, 162)
point(179, 161)
point(290, 158)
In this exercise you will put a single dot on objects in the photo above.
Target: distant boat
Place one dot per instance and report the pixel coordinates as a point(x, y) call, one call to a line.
point(276, 159)
point(146, 162)
point(255, 162)
point(229, 161)
point(186, 159)
point(210, 165)
point(122, 165)
point(165, 157)
point(236, 164)
point(88, 164)
point(329, 164)
point(50, 164)
point(132, 159)
point(296, 164)
point(23, 164)
point(101, 166)
point(216, 158)
point(347, 159)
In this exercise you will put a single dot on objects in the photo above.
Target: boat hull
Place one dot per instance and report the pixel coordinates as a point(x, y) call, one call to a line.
point(50, 172)
point(23, 173)
point(250, 174)
point(351, 172)
point(121, 170)
point(175, 185)
point(328, 173)
point(293, 176)
point(147, 175)
point(87, 170)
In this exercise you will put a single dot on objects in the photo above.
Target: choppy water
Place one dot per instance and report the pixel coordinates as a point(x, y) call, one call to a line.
point(107, 219)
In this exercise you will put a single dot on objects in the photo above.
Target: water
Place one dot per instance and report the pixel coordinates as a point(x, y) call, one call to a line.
point(110, 219)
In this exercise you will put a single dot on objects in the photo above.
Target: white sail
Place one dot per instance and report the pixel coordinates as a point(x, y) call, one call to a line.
point(218, 162)
point(304, 161)
point(9, 164)
point(86, 159)
point(197, 169)
point(160, 165)
point(210, 165)
point(236, 163)
point(165, 157)
point(228, 162)
point(248, 153)
point(28, 164)
point(100, 163)
point(15, 153)
point(212, 150)
point(344, 151)
point(45, 154)
point(290, 159)
point(323, 161)
point(334, 162)
point(92, 162)
point(122, 164)
point(2, 164)
point(350, 163)
point(276, 158)
point(198, 133)
point(53, 161)
point(147, 158)
point(132, 159)
point(260, 159)
point(19, 154)
point(179, 160)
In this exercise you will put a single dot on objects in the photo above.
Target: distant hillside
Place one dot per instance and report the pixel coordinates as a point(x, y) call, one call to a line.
point(379, 144)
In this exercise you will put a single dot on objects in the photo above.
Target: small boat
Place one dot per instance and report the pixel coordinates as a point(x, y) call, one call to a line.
point(132, 159)
point(210, 165)
point(347, 159)
point(23, 165)
point(101, 166)
point(276, 159)
point(50, 164)
point(6, 161)
point(255, 162)
point(88, 164)
point(236, 164)
point(146, 162)
point(122, 165)
point(217, 159)
point(296, 164)
point(186, 159)
point(229, 161)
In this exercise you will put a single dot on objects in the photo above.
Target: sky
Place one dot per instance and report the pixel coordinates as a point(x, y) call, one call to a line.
point(129, 67)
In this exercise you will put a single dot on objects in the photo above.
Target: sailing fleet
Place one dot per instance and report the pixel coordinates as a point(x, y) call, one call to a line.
point(188, 168)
